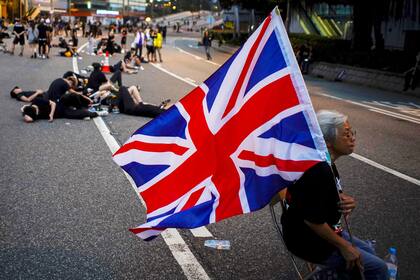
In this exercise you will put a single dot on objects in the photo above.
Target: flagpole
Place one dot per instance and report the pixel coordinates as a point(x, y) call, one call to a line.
point(346, 224)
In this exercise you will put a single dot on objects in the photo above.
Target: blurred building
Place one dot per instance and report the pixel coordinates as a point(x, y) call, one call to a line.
point(398, 27)
point(108, 8)
point(78, 8)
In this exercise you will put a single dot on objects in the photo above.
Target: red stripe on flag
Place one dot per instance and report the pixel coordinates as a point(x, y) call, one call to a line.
point(140, 230)
point(192, 200)
point(245, 69)
point(152, 147)
point(281, 164)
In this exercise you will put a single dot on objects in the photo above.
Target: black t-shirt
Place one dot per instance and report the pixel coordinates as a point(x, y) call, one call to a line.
point(117, 66)
point(24, 93)
point(313, 198)
point(96, 79)
point(42, 31)
point(43, 106)
point(18, 28)
point(57, 89)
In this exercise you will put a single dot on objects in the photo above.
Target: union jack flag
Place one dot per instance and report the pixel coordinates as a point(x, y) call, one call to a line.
point(229, 145)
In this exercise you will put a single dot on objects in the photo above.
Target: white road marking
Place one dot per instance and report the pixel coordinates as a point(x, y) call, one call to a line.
point(179, 249)
point(185, 52)
point(174, 75)
point(387, 169)
point(189, 79)
point(395, 115)
point(376, 109)
point(197, 57)
point(201, 232)
point(214, 63)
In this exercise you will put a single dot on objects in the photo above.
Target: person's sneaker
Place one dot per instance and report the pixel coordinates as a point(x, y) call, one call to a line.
point(86, 118)
point(21, 54)
point(102, 113)
point(164, 103)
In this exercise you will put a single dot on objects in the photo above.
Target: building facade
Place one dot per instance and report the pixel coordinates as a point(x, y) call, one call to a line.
point(109, 8)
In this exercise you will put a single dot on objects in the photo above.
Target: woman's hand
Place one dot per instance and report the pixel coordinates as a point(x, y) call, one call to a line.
point(346, 204)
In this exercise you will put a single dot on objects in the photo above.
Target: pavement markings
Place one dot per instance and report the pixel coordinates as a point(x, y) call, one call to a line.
point(189, 79)
point(173, 74)
point(201, 232)
point(375, 109)
point(197, 57)
point(386, 169)
point(179, 249)
point(214, 63)
point(185, 52)
point(386, 112)
point(193, 47)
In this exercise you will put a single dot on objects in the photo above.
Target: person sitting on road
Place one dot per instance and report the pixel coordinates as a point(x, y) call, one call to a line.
point(125, 66)
point(131, 103)
point(98, 82)
point(61, 86)
point(100, 85)
point(315, 204)
point(25, 96)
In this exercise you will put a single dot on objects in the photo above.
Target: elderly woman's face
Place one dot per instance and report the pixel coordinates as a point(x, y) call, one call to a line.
point(345, 141)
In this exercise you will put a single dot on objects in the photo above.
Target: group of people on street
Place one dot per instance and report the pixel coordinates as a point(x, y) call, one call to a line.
point(152, 40)
point(75, 96)
point(39, 35)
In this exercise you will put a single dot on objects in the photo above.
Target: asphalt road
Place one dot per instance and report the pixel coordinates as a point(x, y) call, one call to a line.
point(66, 207)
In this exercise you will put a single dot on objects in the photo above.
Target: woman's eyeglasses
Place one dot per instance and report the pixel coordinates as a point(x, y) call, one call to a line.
point(350, 133)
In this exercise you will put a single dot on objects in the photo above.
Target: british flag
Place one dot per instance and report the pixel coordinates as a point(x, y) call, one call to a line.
point(229, 145)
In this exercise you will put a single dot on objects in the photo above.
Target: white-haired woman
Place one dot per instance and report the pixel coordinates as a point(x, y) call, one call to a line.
point(311, 223)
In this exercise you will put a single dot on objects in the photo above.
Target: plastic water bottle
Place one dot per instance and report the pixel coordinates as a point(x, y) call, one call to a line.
point(392, 263)
point(218, 244)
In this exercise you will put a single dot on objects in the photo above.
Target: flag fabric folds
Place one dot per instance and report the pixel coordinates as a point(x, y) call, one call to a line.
point(229, 145)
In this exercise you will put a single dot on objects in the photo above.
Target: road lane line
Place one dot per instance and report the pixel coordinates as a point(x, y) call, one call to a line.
point(197, 57)
point(174, 75)
point(375, 109)
point(330, 96)
point(395, 115)
point(214, 63)
point(201, 232)
point(189, 79)
point(387, 169)
point(185, 52)
point(179, 249)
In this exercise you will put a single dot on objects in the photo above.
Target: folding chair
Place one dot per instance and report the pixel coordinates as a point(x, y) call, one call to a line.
point(277, 207)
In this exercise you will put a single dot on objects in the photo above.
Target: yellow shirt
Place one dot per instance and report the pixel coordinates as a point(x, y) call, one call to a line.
point(158, 40)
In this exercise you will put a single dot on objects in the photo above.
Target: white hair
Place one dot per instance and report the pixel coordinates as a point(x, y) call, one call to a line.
point(329, 121)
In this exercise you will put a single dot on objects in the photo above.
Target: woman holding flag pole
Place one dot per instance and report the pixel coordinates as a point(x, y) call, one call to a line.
point(315, 203)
